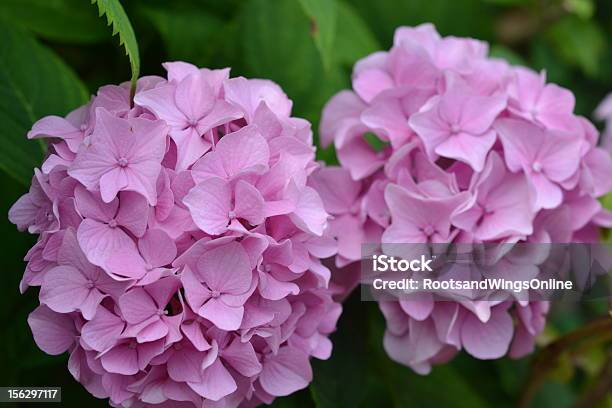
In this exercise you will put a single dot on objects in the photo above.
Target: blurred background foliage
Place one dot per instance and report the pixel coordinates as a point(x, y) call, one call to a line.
point(54, 53)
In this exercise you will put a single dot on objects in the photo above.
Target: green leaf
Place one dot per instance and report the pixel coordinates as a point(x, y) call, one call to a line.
point(582, 8)
point(299, 399)
point(187, 34)
point(578, 42)
point(508, 2)
point(445, 386)
point(353, 40)
point(115, 15)
point(34, 82)
point(374, 141)
point(341, 380)
point(51, 19)
point(503, 52)
point(322, 14)
point(290, 59)
point(472, 18)
point(543, 57)
point(554, 394)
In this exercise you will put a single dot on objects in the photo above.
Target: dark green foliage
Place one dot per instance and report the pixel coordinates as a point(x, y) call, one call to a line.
point(308, 47)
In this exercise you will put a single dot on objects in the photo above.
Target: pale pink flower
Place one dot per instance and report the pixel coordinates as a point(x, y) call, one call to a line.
point(180, 243)
point(469, 150)
point(121, 155)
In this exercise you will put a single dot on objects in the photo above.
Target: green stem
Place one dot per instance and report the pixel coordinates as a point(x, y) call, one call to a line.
point(593, 333)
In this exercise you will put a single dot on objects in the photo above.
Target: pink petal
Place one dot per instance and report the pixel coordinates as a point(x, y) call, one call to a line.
point(100, 242)
point(286, 372)
point(154, 331)
point(209, 205)
point(216, 382)
point(137, 306)
point(221, 315)
point(178, 70)
point(193, 331)
point(221, 114)
point(336, 188)
point(160, 101)
point(340, 115)
point(371, 82)
point(242, 357)
point(195, 293)
point(487, 340)
point(89, 306)
point(54, 333)
point(309, 214)
point(55, 126)
point(520, 140)
point(556, 153)
point(359, 158)
point(415, 347)
point(239, 152)
point(547, 193)
point(479, 112)
point(418, 309)
point(121, 359)
point(273, 289)
point(89, 205)
point(24, 212)
point(226, 269)
point(388, 118)
point(157, 248)
point(595, 177)
point(126, 263)
point(249, 203)
point(555, 106)
point(95, 159)
point(115, 180)
point(133, 213)
point(102, 331)
point(467, 148)
point(64, 289)
point(194, 97)
point(185, 365)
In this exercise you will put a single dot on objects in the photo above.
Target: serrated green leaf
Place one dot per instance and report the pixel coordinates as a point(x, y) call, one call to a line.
point(34, 82)
point(50, 19)
point(322, 14)
point(116, 16)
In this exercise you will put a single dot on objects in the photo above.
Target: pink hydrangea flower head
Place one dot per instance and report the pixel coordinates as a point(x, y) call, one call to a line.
point(180, 244)
point(440, 143)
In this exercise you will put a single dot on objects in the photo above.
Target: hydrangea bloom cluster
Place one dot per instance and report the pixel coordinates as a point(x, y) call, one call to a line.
point(179, 244)
point(440, 143)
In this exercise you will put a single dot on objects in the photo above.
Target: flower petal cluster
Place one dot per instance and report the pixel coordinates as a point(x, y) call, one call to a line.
point(440, 143)
point(180, 245)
